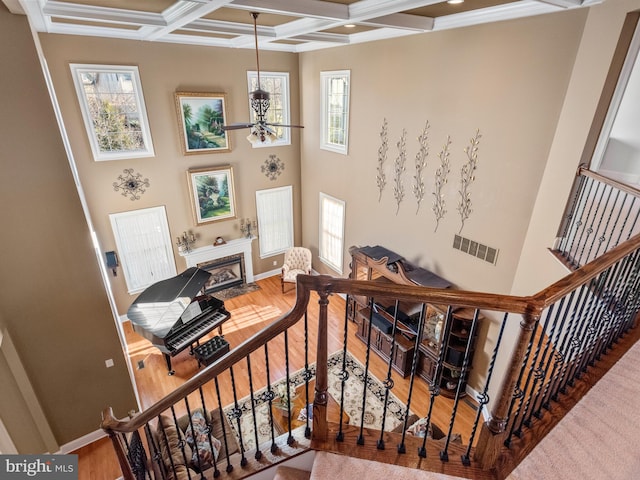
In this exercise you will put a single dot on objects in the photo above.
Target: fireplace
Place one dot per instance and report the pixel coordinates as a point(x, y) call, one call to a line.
point(226, 272)
point(230, 264)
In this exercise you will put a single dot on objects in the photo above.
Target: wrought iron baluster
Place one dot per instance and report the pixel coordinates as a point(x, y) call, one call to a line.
point(290, 439)
point(388, 381)
point(268, 396)
point(154, 449)
point(483, 398)
point(307, 375)
point(604, 235)
point(597, 216)
point(237, 413)
point(209, 419)
point(557, 356)
point(586, 328)
point(434, 387)
point(571, 222)
point(444, 453)
point(518, 393)
point(589, 229)
point(578, 222)
point(599, 236)
point(533, 374)
point(572, 338)
point(344, 375)
point(223, 424)
point(360, 440)
point(624, 224)
point(545, 363)
point(258, 454)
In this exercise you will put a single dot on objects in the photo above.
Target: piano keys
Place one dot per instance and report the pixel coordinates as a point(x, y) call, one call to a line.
point(172, 316)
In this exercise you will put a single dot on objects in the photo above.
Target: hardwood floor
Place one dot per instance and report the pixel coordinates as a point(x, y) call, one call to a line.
point(250, 313)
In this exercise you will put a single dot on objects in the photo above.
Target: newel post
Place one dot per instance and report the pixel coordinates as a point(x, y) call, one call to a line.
point(320, 401)
point(494, 431)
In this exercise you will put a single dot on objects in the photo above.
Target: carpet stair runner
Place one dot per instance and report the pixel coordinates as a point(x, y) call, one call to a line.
point(596, 440)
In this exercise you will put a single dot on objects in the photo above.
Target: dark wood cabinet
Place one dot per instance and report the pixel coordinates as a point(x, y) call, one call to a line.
point(382, 265)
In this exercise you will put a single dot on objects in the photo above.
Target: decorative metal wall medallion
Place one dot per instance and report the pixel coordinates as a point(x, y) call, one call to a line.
point(421, 163)
point(272, 167)
point(398, 167)
point(439, 205)
point(132, 185)
point(381, 178)
point(467, 177)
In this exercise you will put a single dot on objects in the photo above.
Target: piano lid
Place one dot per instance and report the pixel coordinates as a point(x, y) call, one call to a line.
point(161, 305)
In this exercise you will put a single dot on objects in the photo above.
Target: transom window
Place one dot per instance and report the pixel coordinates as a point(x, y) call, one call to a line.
point(335, 110)
point(277, 84)
point(113, 111)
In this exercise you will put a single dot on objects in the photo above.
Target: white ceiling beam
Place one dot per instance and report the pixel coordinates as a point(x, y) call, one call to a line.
point(563, 3)
point(183, 13)
point(230, 28)
point(101, 14)
point(14, 7)
point(365, 9)
point(508, 11)
point(305, 8)
point(401, 20)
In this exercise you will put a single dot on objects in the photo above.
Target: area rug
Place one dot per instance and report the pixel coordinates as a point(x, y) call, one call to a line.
point(352, 401)
point(232, 292)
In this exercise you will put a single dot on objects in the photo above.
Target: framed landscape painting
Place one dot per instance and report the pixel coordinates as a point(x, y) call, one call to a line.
point(200, 120)
point(212, 194)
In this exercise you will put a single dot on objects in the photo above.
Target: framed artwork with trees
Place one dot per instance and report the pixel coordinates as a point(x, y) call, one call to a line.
point(212, 194)
point(200, 120)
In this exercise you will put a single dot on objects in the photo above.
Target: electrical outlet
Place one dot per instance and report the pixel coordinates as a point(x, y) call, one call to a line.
point(275, 262)
point(109, 363)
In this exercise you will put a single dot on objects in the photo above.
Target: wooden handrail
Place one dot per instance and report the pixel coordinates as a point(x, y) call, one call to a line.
point(110, 423)
point(493, 432)
point(612, 183)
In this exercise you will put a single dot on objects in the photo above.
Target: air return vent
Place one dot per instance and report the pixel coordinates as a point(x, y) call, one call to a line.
point(483, 252)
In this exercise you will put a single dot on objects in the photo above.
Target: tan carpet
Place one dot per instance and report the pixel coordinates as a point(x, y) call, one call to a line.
point(331, 466)
point(598, 438)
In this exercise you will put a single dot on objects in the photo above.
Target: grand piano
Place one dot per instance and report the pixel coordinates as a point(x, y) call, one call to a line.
point(172, 316)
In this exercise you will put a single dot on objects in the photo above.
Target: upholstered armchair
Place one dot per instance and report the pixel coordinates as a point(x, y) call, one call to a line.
point(297, 260)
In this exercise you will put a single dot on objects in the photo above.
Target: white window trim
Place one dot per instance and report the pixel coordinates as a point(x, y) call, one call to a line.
point(325, 78)
point(134, 286)
point(337, 266)
point(285, 139)
point(287, 193)
point(76, 71)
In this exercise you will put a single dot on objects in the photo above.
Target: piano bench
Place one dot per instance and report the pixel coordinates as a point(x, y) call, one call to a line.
point(211, 350)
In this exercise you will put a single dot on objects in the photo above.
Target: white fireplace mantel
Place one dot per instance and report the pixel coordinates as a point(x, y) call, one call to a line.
point(232, 247)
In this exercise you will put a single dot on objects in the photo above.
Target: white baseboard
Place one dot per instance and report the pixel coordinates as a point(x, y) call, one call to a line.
point(82, 441)
point(485, 411)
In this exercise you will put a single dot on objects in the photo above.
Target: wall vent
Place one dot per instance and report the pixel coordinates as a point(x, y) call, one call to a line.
point(483, 252)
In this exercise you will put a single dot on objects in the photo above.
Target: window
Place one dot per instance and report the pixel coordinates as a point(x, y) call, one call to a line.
point(275, 220)
point(331, 231)
point(335, 110)
point(277, 84)
point(113, 110)
point(144, 245)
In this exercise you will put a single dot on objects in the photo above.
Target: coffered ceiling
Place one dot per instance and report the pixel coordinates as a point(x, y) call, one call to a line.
point(284, 25)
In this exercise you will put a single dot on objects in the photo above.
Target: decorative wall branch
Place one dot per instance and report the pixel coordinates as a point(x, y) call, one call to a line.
point(398, 167)
point(132, 185)
point(439, 205)
point(272, 167)
point(421, 163)
point(467, 176)
point(381, 178)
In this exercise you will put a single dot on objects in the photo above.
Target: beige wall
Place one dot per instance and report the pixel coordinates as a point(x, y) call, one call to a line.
point(507, 79)
point(52, 299)
point(164, 69)
point(537, 267)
